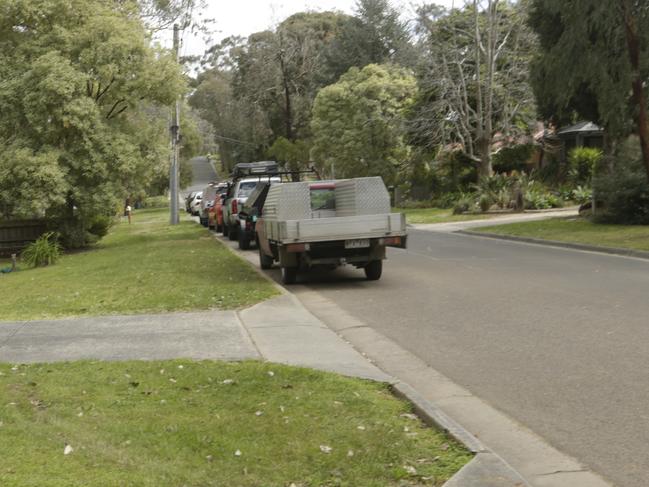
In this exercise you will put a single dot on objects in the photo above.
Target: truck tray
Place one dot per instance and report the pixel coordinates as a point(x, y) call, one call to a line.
point(337, 228)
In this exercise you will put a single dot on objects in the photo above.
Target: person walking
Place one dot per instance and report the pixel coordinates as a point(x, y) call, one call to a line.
point(127, 211)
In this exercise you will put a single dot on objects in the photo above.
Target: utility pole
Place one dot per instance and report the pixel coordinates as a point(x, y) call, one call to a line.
point(175, 136)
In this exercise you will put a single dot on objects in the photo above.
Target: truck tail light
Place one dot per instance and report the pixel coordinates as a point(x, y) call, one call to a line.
point(235, 207)
point(294, 248)
point(392, 240)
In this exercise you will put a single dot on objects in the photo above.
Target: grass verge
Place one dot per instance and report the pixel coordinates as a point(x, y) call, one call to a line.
point(146, 267)
point(211, 423)
point(436, 215)
point(578, 230)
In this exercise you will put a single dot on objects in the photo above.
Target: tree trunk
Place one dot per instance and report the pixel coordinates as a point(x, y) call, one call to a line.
point(639, 97)
point(288, 110)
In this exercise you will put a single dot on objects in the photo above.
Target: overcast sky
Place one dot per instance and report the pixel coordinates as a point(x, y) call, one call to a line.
point(243, 17)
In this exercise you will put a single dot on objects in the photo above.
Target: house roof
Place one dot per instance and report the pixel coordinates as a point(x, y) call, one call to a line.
point(581, 128)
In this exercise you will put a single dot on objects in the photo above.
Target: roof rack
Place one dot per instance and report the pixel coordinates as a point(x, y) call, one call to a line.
point(261, 168)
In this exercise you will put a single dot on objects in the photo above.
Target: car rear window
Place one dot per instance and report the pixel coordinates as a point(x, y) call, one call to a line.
point(246, 188)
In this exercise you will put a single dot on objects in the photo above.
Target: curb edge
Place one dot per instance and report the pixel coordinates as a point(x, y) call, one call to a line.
point(639, 254)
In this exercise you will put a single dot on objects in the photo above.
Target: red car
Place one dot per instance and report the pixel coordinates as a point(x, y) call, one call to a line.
point(215, 212)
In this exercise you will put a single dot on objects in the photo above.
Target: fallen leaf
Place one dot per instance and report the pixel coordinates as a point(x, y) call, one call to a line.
point(259, 413)
point(325, 449)
point(67, 450)
point(362, 428)
point(237, 453)
point(271, 373)
point(410, 416)
point(350, 453)
point(181, 367)
point(444, 447)
point(228, 381)
point(410, 469)
point(172, 380)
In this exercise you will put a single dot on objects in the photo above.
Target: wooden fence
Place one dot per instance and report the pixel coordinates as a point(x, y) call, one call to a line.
point(15, 235)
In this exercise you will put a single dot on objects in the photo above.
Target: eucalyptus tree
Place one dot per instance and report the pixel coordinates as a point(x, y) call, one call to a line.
point(474, 77)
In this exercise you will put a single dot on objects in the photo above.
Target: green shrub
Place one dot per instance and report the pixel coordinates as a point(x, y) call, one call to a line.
point(513, 158)
point(72, 233)
point(463, 204)
point(581, 161)
point(156, 202)
point(446, 200)
point(541, 199)
point(623, 195)
point(581, 195)
point(484, 203)
point(43, 252)
point(100, 225)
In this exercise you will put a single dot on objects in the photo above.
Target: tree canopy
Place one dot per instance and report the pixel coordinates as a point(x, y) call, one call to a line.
point(358, 122)
point(79, 84)
point(594, 61)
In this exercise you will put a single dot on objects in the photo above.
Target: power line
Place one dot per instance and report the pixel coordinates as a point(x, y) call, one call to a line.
point(237, 141)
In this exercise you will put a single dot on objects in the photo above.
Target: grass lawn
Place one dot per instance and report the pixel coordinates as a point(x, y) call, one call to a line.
point(579, 230)
point(186, 423)
point(436, 215)
point(146, 267)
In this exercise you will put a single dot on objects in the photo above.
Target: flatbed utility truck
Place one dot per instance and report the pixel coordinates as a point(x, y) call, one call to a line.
point(329, 224)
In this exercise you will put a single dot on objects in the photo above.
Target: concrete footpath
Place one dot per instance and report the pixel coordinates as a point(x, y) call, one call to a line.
point(279, 330)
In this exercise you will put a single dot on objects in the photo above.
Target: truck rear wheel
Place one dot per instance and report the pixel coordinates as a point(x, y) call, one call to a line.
point(265, 261)
point(289, 275)
point(244, 240)
point(225, 230)
point(232, 232)
point(373, 270)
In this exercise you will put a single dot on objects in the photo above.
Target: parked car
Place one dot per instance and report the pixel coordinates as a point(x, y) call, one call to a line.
point(209, 195)
point(246, 176)
point(250, 211)
point(215, 213)
point(332, 223)
point(188, 201)
point(195, 204)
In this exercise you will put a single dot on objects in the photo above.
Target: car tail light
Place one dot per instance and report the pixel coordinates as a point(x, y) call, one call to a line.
point(235, 206)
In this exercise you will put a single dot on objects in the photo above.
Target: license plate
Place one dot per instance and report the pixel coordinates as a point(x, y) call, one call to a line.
point(360, 243)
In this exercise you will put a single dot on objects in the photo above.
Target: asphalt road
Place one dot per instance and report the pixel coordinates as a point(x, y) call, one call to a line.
point(202, 172)
point(557, 339)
